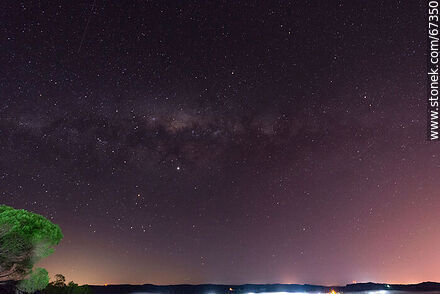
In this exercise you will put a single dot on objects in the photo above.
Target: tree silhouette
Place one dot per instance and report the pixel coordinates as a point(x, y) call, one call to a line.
point(59, 287)
point(60, 281)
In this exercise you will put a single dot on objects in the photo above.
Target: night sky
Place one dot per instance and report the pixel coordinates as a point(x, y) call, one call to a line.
point(222, 141)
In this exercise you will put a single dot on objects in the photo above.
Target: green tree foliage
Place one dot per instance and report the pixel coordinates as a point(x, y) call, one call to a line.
point(37, 280)
point(25, 238)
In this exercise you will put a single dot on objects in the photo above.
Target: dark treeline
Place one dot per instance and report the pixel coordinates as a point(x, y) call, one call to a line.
point(59, 286)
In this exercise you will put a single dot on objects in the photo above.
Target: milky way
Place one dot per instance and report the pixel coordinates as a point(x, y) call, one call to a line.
point(222, 142)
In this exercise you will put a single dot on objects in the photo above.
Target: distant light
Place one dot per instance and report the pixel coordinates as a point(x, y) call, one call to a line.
point(106, 285)
point(388, 286)
point(178, 168)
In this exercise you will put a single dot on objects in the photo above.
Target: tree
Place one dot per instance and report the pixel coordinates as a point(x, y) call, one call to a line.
point(25, 238)
point(60, 281)
point(37, 280)
point(59, 287)
point(75, 289)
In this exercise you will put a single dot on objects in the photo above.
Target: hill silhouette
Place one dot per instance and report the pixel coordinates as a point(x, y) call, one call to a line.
point(259, 288)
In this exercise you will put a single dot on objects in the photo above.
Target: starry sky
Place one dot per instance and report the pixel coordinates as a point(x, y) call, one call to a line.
point(222, 141)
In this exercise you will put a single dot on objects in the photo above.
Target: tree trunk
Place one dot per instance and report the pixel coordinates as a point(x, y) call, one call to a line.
point(8, 287)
